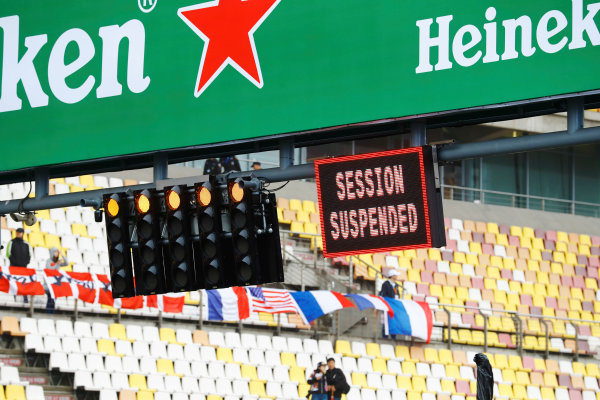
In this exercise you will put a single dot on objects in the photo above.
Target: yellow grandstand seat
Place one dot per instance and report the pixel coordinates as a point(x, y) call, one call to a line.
point(145, 395)
point(303, 390)
point(79, 229)
point(359, 379)
point(165, 366)
point(213, 397)
point(448, 386)
point(452, 371)
point(118, 331)
point(380, 365)
point(519, 392)
point(445, 356)
point(15, 392)
point(137, 381)
point(550, 379)
point(297, 227)
point(249, 372)
point(288, 359)
point(36, 239)
point(592, 369)
point(419, 384)
point(343, 347)
point(295, 205)
point(52, 240)
point(168, 335)
point(500, 361)
point(516, 231)
point(492, 227)
point(224, 354)
point(309, 206)
point(302, 216)
point(106, 346)
point(297, 374)
point(257, 388)
point(373, 350)
point(404, 382)
point(402, 352)
point(2, 397)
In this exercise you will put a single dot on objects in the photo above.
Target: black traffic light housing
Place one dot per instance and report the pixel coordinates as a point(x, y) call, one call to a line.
point(116, 208)
point(148, 255)
point(179, 261)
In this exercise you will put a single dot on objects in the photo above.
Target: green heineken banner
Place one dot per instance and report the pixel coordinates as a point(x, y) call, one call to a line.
point(88, 79)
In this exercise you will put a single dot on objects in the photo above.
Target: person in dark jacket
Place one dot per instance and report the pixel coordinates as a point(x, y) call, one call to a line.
point(389, 287)
point(318, 383)
point(336, 380)
point(230, 164)
point(17, 250)
point(212, 166)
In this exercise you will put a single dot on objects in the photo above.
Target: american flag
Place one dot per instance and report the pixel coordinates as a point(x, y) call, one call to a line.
point(272, 301)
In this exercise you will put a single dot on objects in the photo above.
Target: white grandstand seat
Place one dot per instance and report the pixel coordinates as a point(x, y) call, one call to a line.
point(349, 364)
point(119, 381)
point(34, 392)
point(588, 395)
point(158, 349)
point(368, 394)
point(91, 258)
point(108, 395)
point(423, 369)
point(326, 348)
point(383, 395)
point(457, 224)
point(392, 261)
point(182, 367)
point(100, 330)
point(466, 373)
point(29, 325)
point(197, 396)
point(256, 357)
point(48, 226)
point(34, 342)
point(9, 375)
point(443, 266)
point(438, 371)
point(457, 397)
point(82, 329)
point(359, 348)
point(113, 364)
point(468, 270)
point(273, 389)
point(410, 288)
point(148, 365)
point(192, 352)
point(272, 358)
point(70, 345)
point(303, 360)
point(389, 382)
point(533, 392)
point(134, 331)
point(175, 352)
point(428, 396)
point(173, 384)
point(263, 342)
point(140, 348)
point(434, 384)
point(85, 244)
point(233, 371)
point(240, 388)
point(83, 379)
point(394, 367)
point(156, 382)
point(151, 334)
point(102, 380)
point(88, 345)
point(453, 234)
point(387, 351)
point(281, 374)
point(232, 339)
point(223, 386)
point(216, 370)
point(115, 182)
point(557, 343)
point(240, 355)
point(311, 346)
point(216, 338)
point(207, 386)
point(295, 345)
point(87, 217)
point(561, 394)
point(208, 354)
point(199, 369)
point(503, 285)
point(249, 340)
point(59, 360)
point(73, 215)
point(179, 396)
point(94, 362)
point(99, 243)
point(162, 396)
point(290, 389)
point(13, 225)
point(591, 383)
point(51, 344)
point(189, 385)
point(354, 394)
point(518, 275)
point(364, 365)
point(264, 373)
point(123, 347)
point(131, 365)
point(64, 327)
point(101, 181)
point(463, 246)
point(374, 380)
point(279, 343)
point(58, 214)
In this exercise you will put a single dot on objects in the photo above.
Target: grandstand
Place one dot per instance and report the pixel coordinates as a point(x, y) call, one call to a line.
point(527, 296)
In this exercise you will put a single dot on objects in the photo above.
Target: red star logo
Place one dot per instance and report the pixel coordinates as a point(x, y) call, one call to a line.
point(227, 28)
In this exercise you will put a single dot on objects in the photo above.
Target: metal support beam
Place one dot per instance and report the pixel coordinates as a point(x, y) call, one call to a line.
point(418, 133)
point(161, 166)
point(42, 182)
point(574, 114)
point(521, 144)
point(286, 153)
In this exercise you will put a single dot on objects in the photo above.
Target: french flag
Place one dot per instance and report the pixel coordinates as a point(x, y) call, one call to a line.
point(364, 301)
point(316, 303)
point(231, 304)
point(411, 318)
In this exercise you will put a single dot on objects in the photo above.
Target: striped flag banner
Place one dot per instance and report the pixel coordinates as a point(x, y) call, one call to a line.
point(316, 303)
point(272, 301)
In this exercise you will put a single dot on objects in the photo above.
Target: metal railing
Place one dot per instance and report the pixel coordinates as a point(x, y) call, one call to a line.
point(516, 200)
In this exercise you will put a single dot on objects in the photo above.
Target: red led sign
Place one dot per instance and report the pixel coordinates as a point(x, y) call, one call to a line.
point(379, 202)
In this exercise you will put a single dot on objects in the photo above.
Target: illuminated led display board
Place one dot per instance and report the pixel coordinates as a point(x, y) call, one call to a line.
point(379, 202)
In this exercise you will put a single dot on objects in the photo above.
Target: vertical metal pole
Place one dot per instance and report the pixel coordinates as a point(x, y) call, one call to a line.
point(76, 310)
point(200, 322)
point(314, 239)
point(278, 324)
point(449, 327)
point(376, 325)
point(286, 153)
point(119, 313)
point(547, 335)
point(527, 178)
point(337, 325)
point(418, 136)
point(302, 277)
point(30, 306)
point(351, 271)
point(42, 182)
point(572, 152)
point(161, 166)
point(574, 114)
point(160, 319)
point(240, 326)
point(576, 357)
point(485, 331)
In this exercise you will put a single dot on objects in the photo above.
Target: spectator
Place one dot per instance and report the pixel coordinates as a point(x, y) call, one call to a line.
point(17, 250)
point(318, 381)
point(55, 261)
point(336, 380)
point(230, 164)
point(18, 253)
point(212, 167)
point(256, 165)
point(389, 287)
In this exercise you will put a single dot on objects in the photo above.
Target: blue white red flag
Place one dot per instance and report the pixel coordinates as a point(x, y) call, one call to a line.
point(411, 318)
point(316, 303)
point(231, 304)
point(364, 301)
